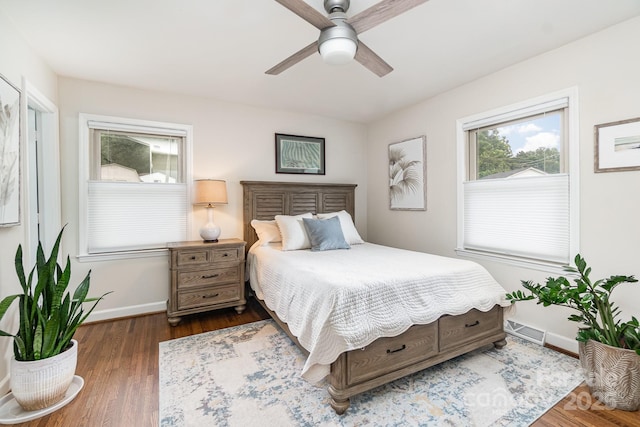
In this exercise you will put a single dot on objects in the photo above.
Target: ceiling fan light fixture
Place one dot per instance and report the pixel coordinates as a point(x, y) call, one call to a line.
point(338, 45)
point(338, 51)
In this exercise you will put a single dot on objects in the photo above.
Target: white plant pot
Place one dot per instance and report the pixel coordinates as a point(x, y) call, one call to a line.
point(39, 384)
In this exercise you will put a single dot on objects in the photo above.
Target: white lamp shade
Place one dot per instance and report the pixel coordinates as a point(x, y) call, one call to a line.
point(209, 192)
point(338, 51)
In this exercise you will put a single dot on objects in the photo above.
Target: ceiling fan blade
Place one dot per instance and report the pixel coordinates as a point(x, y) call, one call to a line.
point(381, 12)
point(372, 61)
point(294, 59)
point(308, 13)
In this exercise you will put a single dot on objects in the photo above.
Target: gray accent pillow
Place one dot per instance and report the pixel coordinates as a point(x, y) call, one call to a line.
point(325, 234)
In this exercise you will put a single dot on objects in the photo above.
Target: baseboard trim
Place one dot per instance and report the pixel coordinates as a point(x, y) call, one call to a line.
point(567, 344)
point(132, 310)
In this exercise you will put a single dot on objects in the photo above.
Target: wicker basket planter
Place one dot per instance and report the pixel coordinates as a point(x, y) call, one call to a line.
point(612, 374)
point(41, 383)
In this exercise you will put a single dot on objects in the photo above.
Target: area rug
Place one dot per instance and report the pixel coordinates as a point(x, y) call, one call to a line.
point(249, 375)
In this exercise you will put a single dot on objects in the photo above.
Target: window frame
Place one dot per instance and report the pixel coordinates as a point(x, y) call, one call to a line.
point(89, 121)
point(512, 112)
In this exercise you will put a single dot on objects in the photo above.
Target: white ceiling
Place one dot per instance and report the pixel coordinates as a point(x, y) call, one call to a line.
point(221, 48)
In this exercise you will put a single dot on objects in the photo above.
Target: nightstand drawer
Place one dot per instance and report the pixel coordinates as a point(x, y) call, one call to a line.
point(458, 330)
point(186, 258)
point(225, 255)
point(209, 276)
point(209, 296)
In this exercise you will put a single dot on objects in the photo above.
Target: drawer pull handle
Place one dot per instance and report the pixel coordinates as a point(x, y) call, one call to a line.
point(193, 257)
point(210, 276)
point(210, 296)
point(471, 325)
point(397, 349)
point(225, 254)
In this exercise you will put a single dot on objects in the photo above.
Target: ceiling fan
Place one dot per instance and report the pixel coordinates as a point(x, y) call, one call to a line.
point(338, 42)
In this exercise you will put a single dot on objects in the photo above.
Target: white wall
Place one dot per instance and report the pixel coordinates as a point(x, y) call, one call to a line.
point(231, 142)
point(606, 74)
point(17, 61)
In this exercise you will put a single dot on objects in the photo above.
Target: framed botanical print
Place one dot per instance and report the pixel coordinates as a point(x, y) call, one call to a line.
point(407, 175)
point(9, 153)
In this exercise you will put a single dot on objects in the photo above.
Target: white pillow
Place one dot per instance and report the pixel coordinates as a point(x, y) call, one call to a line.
point(267, 231)
point(294, 236)
point(348, 228)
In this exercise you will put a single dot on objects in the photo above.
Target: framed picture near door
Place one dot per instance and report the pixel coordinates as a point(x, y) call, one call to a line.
point(9, 153)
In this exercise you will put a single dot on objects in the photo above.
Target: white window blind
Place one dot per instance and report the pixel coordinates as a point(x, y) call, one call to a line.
point(134, 216)
point(141, 128)
point(517, 113)
point(522, 217)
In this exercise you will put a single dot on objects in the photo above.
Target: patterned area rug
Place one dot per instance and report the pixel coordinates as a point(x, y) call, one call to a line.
point(249, 375)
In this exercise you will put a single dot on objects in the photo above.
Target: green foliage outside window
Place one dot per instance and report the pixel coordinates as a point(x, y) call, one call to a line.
point(495, 156)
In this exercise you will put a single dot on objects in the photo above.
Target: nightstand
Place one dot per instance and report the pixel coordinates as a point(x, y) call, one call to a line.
point(205, 276)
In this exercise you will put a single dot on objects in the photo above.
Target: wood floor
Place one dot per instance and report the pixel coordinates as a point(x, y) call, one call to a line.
point(119, 363)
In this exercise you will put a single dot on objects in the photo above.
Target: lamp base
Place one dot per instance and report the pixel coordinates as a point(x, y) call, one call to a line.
point(211, 241)
point(210, 231)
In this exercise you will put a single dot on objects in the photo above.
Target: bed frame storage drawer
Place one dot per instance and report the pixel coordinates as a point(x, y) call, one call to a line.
point(418, 343)
point(458, 330)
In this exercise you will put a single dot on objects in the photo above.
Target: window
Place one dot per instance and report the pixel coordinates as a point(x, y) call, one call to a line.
point(517, 182)
point(133, 184)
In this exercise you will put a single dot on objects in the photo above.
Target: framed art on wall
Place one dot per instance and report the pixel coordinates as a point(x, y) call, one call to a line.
point(299, 154)
point(407, 175)
point(617, 146)
point(9, 153)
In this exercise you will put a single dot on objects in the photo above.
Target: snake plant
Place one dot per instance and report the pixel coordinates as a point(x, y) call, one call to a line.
point(592, 300)
point(49, 315)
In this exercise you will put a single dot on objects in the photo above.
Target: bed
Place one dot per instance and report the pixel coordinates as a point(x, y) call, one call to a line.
point(354, 361)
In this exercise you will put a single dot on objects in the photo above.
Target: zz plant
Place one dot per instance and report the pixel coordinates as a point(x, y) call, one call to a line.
point(49, 315)
point(592, 301)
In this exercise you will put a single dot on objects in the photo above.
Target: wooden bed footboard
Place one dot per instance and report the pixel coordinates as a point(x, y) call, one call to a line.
point(418, 348)
point(386, 359)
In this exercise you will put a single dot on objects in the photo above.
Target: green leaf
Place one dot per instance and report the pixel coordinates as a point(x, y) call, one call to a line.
point(50, 335)
point(37, 343)
point(83, 289)
point(19, 348)
point(6, 303)
point(20, 269)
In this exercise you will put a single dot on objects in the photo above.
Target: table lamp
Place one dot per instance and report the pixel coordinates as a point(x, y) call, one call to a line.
point(210, 192)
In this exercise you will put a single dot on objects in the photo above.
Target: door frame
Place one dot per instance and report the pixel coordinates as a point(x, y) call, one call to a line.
point(47, 186)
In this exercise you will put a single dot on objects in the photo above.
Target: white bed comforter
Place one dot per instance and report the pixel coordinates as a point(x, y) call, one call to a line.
point(340, 300)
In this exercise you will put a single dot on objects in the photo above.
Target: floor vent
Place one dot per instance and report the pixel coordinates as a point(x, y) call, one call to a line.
point(525, 332)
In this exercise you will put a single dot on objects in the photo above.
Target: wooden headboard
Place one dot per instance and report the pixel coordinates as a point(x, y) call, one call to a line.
point(265, 199)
